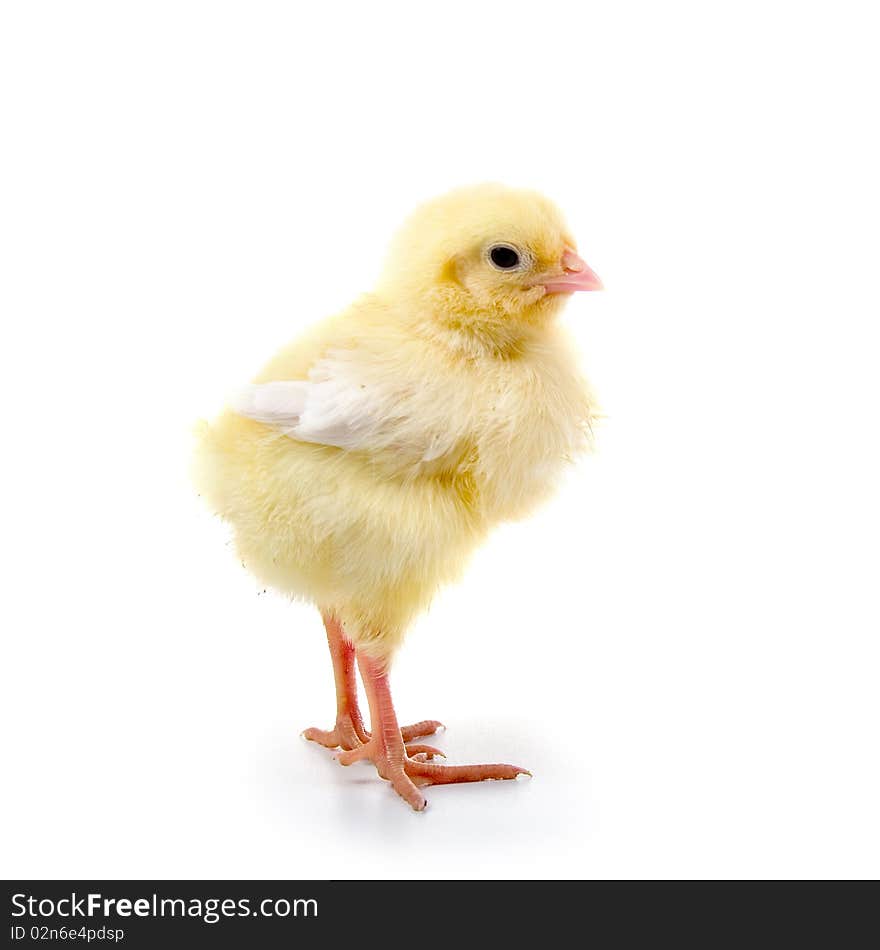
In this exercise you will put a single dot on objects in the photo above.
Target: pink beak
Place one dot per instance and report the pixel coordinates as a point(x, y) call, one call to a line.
point(577, 276)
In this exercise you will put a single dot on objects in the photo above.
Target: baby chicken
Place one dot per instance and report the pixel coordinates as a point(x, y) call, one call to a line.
point(371, 457)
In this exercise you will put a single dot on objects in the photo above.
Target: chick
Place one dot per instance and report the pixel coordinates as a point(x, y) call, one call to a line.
point(370, 458)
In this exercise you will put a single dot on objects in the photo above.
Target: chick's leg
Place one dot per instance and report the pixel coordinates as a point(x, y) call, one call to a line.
point(386, 750)
point(349, 731)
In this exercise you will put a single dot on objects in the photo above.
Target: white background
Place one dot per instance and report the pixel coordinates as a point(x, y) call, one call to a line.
point(683, 646)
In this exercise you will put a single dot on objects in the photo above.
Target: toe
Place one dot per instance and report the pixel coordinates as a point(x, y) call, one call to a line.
point(344, 735)
point(408, 792)
point(327, 738)
point(429, 751)
point(428, 773)
point(350, 756)
point(418, 730)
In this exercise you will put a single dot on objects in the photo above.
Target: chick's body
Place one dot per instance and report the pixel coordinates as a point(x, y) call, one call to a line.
point(370, 457)
point(370, 534)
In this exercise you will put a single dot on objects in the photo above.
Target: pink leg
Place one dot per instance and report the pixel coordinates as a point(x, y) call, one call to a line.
point(385, 747)
point(349, 731)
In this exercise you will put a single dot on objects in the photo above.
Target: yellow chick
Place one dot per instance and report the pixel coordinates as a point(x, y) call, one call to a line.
point(370, 458)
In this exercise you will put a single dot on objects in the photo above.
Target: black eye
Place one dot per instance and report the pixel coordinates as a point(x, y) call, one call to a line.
point(504, 257)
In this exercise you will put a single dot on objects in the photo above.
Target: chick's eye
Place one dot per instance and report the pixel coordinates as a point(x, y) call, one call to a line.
point(504, 257)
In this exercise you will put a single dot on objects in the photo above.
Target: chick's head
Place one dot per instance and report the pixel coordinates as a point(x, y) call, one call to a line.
point(488, 255)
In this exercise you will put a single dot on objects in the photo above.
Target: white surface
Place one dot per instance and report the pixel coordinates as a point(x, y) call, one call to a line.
point(683, 647)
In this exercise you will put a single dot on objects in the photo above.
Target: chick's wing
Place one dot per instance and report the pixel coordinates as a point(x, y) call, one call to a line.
point(353, 404)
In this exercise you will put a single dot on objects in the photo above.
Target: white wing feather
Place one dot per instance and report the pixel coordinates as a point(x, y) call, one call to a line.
point(340, 405)
point(279, 403)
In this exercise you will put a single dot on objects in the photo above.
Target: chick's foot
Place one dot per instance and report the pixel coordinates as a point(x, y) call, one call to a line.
point(349, 733)
point(406, 766)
